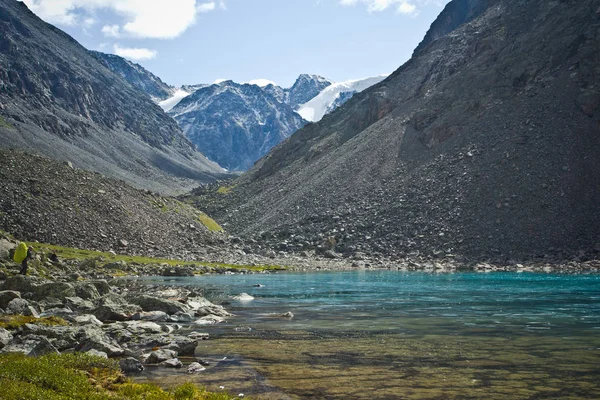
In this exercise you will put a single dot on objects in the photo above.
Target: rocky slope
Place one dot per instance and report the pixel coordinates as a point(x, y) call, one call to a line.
point(138, 76)
point(59, 100)
point(483, 145)
point(51, 202)
point(235, 124)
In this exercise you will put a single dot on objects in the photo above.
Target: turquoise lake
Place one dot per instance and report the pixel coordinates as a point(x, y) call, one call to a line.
point(390, 334)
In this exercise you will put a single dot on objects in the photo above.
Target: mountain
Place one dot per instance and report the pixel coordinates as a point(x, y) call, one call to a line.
point(484, 145)
point(136, 75)
point(333, 96)
point(59, 100)
point(305, 88)
point(235, 124)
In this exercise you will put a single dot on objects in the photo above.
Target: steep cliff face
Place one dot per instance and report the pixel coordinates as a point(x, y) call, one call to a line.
point(57, 99)
point(235, 124)
point(138, 76)
point(482, 145)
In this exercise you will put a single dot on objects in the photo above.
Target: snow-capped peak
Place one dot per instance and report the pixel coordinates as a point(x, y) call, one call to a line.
point(320, 105)
point(172, 101)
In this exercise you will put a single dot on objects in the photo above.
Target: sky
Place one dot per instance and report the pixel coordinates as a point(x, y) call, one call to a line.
point(203, 41)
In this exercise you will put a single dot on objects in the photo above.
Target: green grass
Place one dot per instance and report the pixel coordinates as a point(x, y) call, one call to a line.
point(79, 376)
point(210, 223)
point(68, 253)
point(225, 189)
point(17, 321)
point(5, 124)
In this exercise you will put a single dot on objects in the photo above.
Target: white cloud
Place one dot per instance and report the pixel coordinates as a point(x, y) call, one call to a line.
point(135, 54)
point(220, 80)
point(157, 19)
point(406, 7)
point(206, 7)
point(111, 31)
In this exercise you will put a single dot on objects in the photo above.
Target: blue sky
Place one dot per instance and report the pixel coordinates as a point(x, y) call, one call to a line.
point(200, 41)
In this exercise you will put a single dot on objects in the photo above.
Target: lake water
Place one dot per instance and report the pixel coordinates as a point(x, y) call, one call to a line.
point(389, 334)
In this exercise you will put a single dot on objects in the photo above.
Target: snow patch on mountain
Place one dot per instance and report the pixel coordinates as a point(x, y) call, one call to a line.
point(172, 101)
point(320, 105)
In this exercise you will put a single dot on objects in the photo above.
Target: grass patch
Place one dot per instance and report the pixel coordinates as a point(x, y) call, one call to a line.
point(5, 124)
point(225, 189)
point(210, 223)
point(79, 376)
point(17, 321)
point(69, 253)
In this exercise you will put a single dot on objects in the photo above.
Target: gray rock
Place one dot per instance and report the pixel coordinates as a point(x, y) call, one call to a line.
point(5, 248)
point(149, 303)
point(5, 337)
point(184, 346)
point(20, 306)
point(20, 283)
point(243, 297)
point(209, 320)
point(199, 336)
point(31, 345)
point(158, 356)
point(87, 291)
point(6, 296)
point(79, 304)
point(94, 352)
point(94, 338)
point(58, 290)
point(172, 363)
point(102, 286)
point(113, 307)
point(177, 271)
point(331, 254)
point(131, 365)
point(181, 317)
point(63, 312)
point(157, 316)
point(87, 320)
point(195, 368)
point(138, 327)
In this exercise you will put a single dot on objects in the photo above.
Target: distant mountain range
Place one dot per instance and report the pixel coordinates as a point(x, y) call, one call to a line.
point(236, 124)
point(59, 100)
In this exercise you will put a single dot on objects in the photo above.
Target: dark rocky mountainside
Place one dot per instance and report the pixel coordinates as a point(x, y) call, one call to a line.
point(51, 202)
point(235, 124)
point(484, 144)
point(138, 76)
point(57, 99)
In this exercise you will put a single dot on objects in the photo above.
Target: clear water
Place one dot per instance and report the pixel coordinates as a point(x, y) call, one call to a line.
point(504, 335)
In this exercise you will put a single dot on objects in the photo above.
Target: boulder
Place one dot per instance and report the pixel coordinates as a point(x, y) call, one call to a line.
point(95, 338)
point(30, 345)
point(87, 291)
point(62, 312)
point(172, 363)
point(58, 290)
point(6, 296)
point(5, 337)
point(184, 346)
point(20, 306)
point(209, 320)
point(21, 283)
point(102, 286)
point(96, 353)
point(85, 320)
point(157, 316)
point(130, 365)
point(243, 297)
point(5, 248)
point(79, 304)
point(158, 356)
point(149, 303)
point(181, 317)
point(195, 368)
point(113, 307)
point(139, 327)
point(177, 271)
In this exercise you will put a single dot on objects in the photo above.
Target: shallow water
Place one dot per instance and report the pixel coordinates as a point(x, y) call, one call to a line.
point(391, 334)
